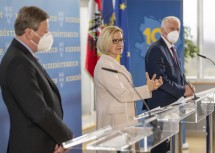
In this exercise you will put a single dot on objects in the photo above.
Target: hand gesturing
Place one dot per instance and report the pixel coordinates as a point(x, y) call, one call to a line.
point(153, 83)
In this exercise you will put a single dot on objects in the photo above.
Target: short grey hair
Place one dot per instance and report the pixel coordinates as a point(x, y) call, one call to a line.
point(29, 17)
point(166, 19)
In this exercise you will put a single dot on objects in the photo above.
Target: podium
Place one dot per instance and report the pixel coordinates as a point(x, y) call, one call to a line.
point(204, 106)
point(151, 128)
point(149, 132)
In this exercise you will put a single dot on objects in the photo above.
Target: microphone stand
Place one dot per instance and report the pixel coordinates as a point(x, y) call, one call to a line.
point(207, 58)
point(155, 128)
point(194, 94)
point(199, 107)
point(115, 71)
point(209, 119)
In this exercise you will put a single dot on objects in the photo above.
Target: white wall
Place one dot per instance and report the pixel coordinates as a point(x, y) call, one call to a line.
point(87, 83)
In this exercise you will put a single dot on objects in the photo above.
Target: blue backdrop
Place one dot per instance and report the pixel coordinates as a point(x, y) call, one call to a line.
point(62, 62)
point(144, 20)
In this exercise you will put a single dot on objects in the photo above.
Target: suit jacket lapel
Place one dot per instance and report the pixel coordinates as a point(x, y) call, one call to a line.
point(168, 52)
point(48, 77)
point(38, 66)
point(179, 63)
point(172, 60)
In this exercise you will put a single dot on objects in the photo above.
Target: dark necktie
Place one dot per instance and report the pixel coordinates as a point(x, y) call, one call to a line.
point(174, 54)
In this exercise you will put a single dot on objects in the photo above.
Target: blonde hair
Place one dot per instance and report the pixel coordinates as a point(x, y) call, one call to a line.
point(104, 42)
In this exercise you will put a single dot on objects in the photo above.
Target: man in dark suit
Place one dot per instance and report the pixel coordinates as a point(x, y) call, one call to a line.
point(163, 51)
point(32, 99)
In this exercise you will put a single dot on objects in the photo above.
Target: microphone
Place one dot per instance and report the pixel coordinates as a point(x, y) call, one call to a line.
point(111, 70)
point(199, 109)
point(202, 56)
point(115, 71)
point(206, 58)
point(167, 65)
point(156, 128)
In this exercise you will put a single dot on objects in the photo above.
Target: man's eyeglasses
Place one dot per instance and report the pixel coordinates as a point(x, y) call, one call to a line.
point(116, 41)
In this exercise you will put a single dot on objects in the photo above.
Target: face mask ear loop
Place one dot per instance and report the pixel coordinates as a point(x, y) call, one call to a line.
point(45, 42)
point(38, 36)
point(165, 30)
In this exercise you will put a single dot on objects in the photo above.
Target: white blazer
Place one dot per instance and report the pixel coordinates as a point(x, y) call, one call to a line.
point(115, 95)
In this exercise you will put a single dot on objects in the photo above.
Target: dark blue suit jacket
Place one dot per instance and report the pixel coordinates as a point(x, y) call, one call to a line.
point(173, 86)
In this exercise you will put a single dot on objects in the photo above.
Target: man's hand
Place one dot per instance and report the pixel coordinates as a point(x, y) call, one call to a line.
point(60, 149)
point(153, 83)
point(188, 91)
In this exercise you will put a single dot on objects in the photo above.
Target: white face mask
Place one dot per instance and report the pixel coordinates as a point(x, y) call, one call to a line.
point(173, 36)
point(45, 42)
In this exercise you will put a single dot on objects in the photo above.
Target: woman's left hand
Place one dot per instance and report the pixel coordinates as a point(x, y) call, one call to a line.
point(153, 83)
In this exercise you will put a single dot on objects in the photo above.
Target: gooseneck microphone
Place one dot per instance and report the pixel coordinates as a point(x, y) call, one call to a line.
point(167, 65)
point(202, 56)
point(115, 71)
point(206, 58)
point(111, 70)
point(156, 129)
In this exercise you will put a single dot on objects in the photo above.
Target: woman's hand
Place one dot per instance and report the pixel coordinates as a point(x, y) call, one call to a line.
point(153, 83)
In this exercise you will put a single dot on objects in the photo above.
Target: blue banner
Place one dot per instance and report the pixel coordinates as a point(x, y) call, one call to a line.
point(108, 16)
point(122, 22)
point(62, 62)
point(144, 21)
point(145, 18)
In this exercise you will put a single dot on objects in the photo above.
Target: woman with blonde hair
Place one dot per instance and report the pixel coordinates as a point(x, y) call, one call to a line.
point(115, 93)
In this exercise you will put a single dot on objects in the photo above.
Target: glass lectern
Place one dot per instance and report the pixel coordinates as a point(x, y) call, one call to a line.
point(139, 137)
point(204, 106)
point(150, 128)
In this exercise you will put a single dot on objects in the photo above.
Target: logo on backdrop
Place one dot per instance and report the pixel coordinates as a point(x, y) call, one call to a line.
point(8, 13)
point(61, 79)
point(61, 18)
point(150, 30)
point(61, 48)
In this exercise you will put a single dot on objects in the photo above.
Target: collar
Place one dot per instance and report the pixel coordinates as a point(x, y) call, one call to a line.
point(28, 48)
point(167, 43)
point(110, 58)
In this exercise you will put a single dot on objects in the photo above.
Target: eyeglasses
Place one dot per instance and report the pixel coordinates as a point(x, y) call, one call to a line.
point(116, 41)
